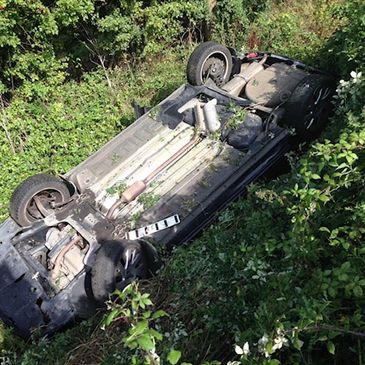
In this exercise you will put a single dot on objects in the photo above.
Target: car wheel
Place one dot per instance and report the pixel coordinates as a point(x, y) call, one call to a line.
point(36, 197)
point(310, 105)
point(119, 263)
point(209, 60)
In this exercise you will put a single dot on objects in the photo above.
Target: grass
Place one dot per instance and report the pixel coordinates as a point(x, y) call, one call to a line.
point(204, 286)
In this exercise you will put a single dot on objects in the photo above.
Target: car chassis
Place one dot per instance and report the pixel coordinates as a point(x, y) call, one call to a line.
point(157, 183)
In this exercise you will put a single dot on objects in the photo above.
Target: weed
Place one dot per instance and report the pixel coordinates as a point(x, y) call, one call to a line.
point(148, 200)
point(117, 188)
point(154, 112)
point(115, 159)
point(135, 219)
point(237, 119)
point(188, 203)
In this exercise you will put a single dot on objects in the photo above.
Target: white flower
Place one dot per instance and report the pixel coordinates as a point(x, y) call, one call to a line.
point(356, 76)
point(279, 342)
point(262, 342)
point(238, 350)
point(246, 348)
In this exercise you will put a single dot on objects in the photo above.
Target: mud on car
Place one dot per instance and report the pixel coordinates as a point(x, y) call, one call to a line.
point(73, 239)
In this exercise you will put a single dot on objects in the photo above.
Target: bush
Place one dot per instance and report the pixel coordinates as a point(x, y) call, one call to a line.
point(50, 42)
point(295, 30)
point(347, 47)
point(280, 276)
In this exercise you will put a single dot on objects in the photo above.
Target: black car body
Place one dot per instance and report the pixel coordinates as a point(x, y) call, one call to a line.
point(157, 183)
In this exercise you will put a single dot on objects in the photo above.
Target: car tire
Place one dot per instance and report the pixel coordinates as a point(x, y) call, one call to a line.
point(46, 188)
point(310, 105)
point(119, 263)
point(209, 60)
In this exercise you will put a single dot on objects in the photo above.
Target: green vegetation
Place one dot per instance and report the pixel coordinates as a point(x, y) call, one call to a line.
point(238, 116)
point(279, 278)
point(117, 188)
point(148, 200)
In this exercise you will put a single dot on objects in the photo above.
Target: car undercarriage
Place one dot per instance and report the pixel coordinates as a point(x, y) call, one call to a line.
point(72, 240)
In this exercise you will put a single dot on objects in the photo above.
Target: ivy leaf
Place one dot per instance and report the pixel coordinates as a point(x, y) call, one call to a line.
point(173, 357)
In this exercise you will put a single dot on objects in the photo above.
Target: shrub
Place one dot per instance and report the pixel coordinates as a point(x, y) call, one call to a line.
point(347, 47)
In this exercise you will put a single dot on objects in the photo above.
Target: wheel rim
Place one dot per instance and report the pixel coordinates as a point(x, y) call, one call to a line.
point(215, 67)
point(130, 267)
point(317, 108)
point(42, 203)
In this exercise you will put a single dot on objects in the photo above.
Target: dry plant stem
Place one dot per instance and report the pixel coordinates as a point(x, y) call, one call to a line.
point(152, 359)
point(329, 328)
point(102, 63)
point(4, 127)
point(94, 50)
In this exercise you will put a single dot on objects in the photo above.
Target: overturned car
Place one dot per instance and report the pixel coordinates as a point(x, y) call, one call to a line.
point(71, 240)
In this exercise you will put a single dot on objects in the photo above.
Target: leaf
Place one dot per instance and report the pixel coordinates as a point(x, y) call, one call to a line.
point(324, 198)
point(132, 344)
point(146, 301)
point(145, 343)
point(297, 344)
point(110, 317)
point(156, 334)
point(358, 291)
point(140, 327)
point(343, 277)
point(274, 362)
point(331, 347)
point(324, 229)
point(159, 313)
point(173, 357)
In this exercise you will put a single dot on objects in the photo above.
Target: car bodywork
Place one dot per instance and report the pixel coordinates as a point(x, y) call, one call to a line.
point(204, 179)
